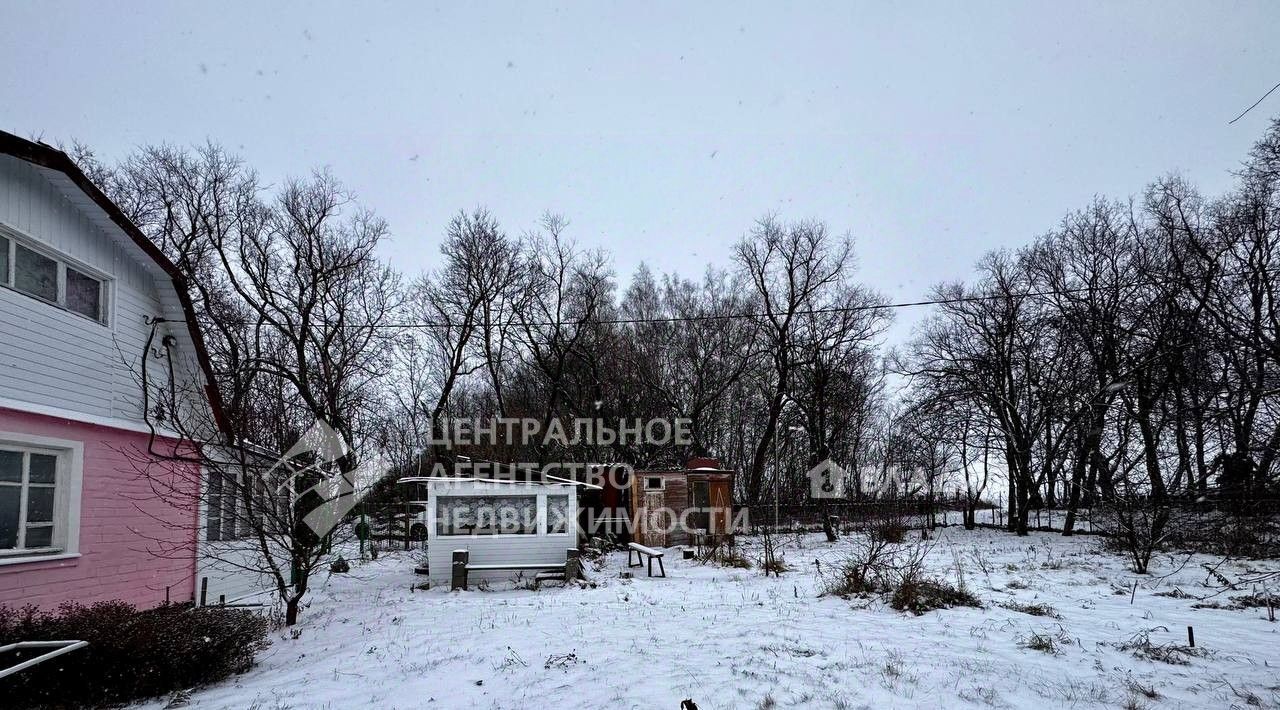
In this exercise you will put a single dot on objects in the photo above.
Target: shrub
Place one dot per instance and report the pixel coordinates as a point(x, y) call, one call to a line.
point(868, 567)
point(724, 555)
point(731, 557)
point(131, 654)
point(1136, 526)
point(890, 531)
point(1046, 641)
point(1041, 642)
point(775, 566)
point(852, 578)
point(1033, 609)
point(1140, 646)
point(1257, 600)
point(918, 596)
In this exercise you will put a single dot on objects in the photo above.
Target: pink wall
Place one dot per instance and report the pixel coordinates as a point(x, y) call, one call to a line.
point(133, 544)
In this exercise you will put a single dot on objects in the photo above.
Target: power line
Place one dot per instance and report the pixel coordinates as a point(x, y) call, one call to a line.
point(1255, 103)
point(831, 309)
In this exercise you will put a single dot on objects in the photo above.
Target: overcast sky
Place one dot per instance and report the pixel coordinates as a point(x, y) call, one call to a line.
point(932, 133)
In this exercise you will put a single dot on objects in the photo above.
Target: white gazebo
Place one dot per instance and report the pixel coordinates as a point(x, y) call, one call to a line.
point(506, 528)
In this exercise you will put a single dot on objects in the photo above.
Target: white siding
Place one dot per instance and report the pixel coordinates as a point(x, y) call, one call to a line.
point(53, 358)
point(498, 549)
point(234, 571)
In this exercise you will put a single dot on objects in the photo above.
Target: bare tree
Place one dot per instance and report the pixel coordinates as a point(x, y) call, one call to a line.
point(294, 304)
point(794, 270)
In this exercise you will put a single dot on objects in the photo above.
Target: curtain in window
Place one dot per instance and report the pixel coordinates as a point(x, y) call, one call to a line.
point(557, 514)
point(487, 515)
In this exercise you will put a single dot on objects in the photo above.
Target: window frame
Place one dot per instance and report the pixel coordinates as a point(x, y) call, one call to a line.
point(68, 480)
point(224, 511)
point(539, 524)
point(62, 263)
point(662, 483)
point(543, 522)
point(570, 519)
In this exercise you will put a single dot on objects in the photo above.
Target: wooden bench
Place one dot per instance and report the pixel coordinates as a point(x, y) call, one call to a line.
point(462, 565)
point(640, 551)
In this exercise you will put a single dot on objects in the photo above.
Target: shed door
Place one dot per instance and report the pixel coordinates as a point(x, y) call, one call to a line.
point(721, 507)
point(655, 533)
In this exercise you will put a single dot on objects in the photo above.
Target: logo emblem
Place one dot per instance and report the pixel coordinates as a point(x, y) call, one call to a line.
point(826, 480)
point(334, 494)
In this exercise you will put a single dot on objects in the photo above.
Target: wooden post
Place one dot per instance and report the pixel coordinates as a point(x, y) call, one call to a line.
point(460, 559)
point(204, 589)
point(572, 565)
point(408, 523)
point(1191, 637)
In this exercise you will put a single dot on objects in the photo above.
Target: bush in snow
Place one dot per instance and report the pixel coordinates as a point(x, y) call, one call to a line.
point(725, 554)
point(132, 654)
point(866, 569)
point(1141, 646)
point(1033, 609)
point(918, 595)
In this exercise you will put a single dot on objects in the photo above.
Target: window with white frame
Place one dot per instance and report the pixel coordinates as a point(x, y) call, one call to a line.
point(557, 514)
point(223, 508)
point(30, 270)
point(487, 515)
point(30, 504)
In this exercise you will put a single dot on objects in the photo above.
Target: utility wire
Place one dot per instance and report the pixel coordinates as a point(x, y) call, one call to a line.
point(1255, 104)
point(830, 309)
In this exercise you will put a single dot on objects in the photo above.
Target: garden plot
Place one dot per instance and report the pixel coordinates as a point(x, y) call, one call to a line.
point(1062, 625)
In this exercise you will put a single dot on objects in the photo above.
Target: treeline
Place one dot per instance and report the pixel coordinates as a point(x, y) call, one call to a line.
point(778, 348)
point(1129, 355)
point(772, 359)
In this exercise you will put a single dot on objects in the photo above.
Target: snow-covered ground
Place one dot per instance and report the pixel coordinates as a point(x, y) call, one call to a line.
point(732, 638)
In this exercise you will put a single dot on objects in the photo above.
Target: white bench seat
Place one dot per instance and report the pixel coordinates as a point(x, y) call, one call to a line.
point(528, 565)
point(650, 554)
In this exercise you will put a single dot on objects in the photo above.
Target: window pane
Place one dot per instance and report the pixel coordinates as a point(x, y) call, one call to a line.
point(11, 466)
point(10, 497)
point(213, 524)
point(4, 260)
point(229, 510)
point(35, 274)
point(44, 468)
point(41, 536)
point(213, 510)
point(557, 514)
point(487, 515)
point(84, 294)
point(39, 504)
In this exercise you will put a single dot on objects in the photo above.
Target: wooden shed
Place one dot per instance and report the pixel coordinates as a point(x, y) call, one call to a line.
point(668, 507)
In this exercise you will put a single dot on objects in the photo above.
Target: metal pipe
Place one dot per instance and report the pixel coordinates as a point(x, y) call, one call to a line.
point(60, 648)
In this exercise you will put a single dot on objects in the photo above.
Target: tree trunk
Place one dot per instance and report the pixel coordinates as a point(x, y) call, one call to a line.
point(1073, 497)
